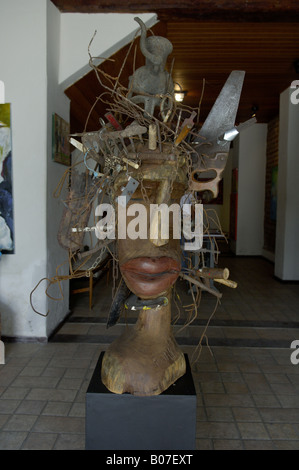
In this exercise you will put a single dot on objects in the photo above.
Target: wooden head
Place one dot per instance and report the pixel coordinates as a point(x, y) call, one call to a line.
point(151, 264)
point(145, 359)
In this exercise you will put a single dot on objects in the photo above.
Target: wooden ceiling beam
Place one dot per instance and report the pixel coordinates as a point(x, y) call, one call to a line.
point(223, 10)
point(209, 51)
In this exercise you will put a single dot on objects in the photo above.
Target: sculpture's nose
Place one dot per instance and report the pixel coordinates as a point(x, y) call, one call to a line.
point(159, 226)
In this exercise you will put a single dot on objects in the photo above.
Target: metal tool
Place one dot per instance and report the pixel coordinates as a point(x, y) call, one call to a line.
point(128, 192)
point(115, 310)
point(210, 145)
point(134, 303)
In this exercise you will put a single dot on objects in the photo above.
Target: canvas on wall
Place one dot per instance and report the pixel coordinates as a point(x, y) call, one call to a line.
point(6, 197)
point(60, 141)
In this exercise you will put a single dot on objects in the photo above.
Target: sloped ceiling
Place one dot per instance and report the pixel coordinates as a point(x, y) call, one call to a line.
point(210, 39)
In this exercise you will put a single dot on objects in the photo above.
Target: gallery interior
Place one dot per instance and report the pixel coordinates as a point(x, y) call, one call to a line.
point(240, 341)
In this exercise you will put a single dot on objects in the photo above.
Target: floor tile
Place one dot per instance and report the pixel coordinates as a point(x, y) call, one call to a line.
point(258, 444)
point(249, 430)
point(19, 422)
point(257, 383)
point(51, 394)
point(10, 440)
point(57, 408)
point(70, 442)
point(29, 407)
point(204, 444)
point(228, 444)
point(219, 414)
point(279, 415)
point(59, 424)
point(266, 400)
point(246, 414)
point(214, 430)
point(39, 441)
point(282, 431)
point(15, 393)
point(286, 445)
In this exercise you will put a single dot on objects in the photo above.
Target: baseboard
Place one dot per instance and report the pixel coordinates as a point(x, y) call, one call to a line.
point(24, 339)
point(286, 281)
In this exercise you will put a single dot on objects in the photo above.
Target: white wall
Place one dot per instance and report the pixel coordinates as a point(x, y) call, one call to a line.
point(23, 70)
point(287, 225)
point(57, 102)
point(40, 47)
point(250, 151)
point(113, 32)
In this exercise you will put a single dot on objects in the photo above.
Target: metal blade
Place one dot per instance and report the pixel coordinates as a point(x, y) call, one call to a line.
point(222, 116)
point(118, 302)
point(213, 140)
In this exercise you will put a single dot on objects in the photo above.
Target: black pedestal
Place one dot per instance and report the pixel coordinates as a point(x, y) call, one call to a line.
point(116, 422)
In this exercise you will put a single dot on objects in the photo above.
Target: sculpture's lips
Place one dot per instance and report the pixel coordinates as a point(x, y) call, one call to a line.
point(148, 265)
point(147, 276)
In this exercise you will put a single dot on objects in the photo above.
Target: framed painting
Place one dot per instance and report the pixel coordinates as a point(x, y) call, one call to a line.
point(61, 152)
point(7, 245)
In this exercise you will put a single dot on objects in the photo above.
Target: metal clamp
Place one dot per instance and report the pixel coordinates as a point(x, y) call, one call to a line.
point(134, 303)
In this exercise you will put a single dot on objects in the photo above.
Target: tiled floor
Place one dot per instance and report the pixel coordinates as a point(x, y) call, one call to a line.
point(247, 387)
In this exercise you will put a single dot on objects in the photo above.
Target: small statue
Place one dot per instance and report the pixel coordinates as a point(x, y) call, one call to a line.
point(151, 80)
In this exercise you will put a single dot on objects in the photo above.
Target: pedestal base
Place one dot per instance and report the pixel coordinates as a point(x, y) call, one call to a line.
point(117, 422)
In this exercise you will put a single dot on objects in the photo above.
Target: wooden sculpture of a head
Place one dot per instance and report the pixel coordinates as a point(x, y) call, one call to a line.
point(156, 158)
point(145, 359)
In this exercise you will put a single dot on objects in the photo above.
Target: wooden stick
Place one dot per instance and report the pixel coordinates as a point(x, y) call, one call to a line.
point(152, 142)
point(129, 162)
point(212, 273)
point(156, 216)
point(201, 285)
point(77, 144)
point(227, 282)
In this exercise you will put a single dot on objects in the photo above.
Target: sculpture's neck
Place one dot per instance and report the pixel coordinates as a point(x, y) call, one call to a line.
point(145, 360)
point(155, 321)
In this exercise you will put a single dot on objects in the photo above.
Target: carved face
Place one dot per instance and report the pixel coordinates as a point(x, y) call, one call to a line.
point(151, 267)
point(149, 270)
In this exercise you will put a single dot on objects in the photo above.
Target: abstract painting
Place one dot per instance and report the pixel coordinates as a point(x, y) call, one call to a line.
point(6, 197)
point(60, 141)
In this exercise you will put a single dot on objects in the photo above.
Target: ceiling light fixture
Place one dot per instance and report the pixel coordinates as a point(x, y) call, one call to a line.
point(254, 110)
point(179, 95)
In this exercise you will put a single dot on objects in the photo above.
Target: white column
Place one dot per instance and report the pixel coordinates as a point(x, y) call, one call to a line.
point(251, 147)
point(287, 228)
point(2, 357)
